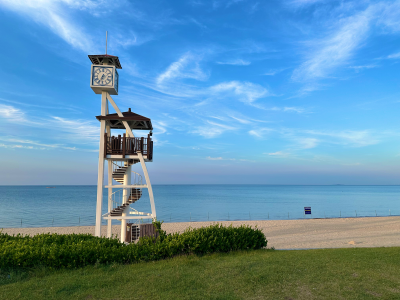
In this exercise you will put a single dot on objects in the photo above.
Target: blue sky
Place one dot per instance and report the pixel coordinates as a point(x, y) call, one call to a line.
point(239, 91)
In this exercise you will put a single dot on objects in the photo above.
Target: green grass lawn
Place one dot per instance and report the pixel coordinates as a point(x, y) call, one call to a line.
point(360, 273)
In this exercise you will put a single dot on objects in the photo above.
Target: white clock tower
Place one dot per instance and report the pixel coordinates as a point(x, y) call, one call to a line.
point(120, 152)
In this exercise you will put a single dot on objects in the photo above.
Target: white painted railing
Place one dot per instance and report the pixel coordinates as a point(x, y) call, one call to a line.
point(136, 178)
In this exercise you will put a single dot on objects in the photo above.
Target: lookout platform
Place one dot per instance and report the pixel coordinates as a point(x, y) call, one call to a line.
point(128, 147)
point(125, 147)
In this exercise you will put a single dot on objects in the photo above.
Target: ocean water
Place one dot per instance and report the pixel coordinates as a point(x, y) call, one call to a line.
point(37, 206)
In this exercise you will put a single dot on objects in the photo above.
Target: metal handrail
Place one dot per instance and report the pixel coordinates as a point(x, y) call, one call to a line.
point(113, 197)
point(137, 178)
point(117, 196)
point(115, 203)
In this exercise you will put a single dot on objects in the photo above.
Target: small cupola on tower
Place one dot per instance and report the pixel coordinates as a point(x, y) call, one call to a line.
point(135, 121)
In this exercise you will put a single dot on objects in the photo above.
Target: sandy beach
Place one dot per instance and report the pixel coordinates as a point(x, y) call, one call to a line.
point(284, 234)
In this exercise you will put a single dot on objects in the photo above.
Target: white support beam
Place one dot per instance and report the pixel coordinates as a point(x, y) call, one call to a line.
point(125, 197)
point(146, 175)
point(109, 177)
point(100, 175)
point(109, 222)
point(131, 186)
point(128, 129)
point(129, 217)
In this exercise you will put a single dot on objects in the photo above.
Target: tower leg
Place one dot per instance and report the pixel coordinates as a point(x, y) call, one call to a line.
point(125, 195)
point(150, 189)
point(109, 221)
point(100, 175)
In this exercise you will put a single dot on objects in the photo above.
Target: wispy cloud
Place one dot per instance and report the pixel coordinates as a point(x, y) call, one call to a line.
point(394, 56)
point(336, 49)
point(80, 130)
point(299, 110)
point(71, 130)
point(273, 72)
point(20, 143)
point(16, 146)
point(307, 143)
point(212, 129)
point(389, 15)
point(214, 158)
point(278, 154)
point(220, 158)
point(188, 66)
point(160, 126)
point(11, 113)
point(301, 139)
point(194, 21)
point(241, 120)
point(246, 91)
point(351, 138)
point(235, 62)
point(225, 3)
point(130, 38)
point(260, 132)
point(305, 2)
point(54, 15)
point(360, 68)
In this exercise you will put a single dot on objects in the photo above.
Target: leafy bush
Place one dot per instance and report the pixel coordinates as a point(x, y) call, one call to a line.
point(78, 250)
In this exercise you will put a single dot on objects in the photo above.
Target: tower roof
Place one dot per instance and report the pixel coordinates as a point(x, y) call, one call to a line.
point(100, 59)
point(135, 121)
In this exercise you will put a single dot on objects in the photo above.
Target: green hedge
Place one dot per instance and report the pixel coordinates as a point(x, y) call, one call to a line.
point(78, 250)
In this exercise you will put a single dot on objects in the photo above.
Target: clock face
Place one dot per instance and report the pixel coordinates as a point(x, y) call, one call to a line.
point(102, 76)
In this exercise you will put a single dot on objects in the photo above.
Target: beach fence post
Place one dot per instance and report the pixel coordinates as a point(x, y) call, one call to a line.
point(21, 222)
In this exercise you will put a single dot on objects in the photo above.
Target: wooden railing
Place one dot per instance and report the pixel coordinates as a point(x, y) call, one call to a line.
point(123, 145)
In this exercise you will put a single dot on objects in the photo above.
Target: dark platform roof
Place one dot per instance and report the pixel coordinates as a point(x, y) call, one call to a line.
point(99, 59)
point(135, 121)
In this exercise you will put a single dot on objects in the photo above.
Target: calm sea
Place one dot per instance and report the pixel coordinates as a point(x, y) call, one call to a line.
point(37, 206)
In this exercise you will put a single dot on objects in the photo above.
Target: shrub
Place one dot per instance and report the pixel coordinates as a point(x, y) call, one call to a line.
point(78, 250)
